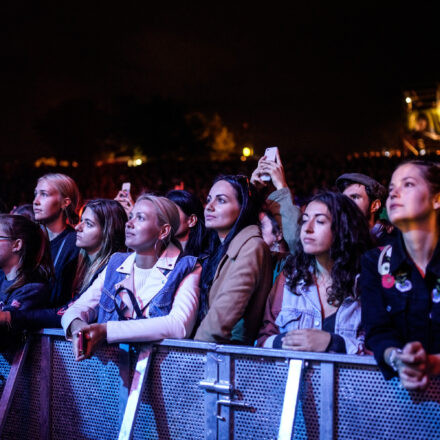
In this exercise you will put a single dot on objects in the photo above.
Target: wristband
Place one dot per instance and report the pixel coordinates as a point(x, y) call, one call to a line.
point(392, 359)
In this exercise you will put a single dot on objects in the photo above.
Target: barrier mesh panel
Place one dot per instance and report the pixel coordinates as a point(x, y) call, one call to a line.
point(5, 366)
point(260, 383)
point(368, 407)
point(172, 405)
point(85, 395)
point(23, 421)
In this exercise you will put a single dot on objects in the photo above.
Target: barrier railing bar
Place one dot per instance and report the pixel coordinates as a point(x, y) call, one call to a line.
point(45, 387)
point(137, 387)
point(327, 401)
point(11, 383)
point(255, 351)
point(124, 379)
point(290, 402)
point(305, 355)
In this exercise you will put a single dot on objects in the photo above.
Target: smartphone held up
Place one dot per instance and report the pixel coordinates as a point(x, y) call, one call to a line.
point(271, 154)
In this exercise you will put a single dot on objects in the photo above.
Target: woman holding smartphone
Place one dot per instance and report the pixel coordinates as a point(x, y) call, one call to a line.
point(237, 275)
point(401, 282)
point(147, 295)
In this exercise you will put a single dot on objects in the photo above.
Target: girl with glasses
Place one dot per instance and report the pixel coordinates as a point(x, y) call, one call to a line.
point(25, 266)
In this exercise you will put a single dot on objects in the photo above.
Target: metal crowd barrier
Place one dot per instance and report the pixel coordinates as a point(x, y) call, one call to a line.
point(180, 389)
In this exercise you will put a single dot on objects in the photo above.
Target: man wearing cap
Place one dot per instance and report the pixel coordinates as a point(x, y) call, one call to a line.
point(370, 196)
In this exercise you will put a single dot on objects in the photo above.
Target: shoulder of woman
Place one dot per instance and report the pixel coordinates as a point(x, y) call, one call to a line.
point(372, 255)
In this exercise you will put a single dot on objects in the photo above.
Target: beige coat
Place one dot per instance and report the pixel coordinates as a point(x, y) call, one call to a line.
point(238, 293)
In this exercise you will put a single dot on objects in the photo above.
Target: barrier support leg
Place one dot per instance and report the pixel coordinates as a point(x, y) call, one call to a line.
point(124, 379)
point(11, 383)
point(290, 402)
point(327, 400)
point(45, 387)
point(137, 387)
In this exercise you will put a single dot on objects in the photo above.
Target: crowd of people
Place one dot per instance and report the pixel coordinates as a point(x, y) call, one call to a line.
point(355, 270)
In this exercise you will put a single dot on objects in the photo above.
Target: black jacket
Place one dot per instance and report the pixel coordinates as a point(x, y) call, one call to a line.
point(392, 316)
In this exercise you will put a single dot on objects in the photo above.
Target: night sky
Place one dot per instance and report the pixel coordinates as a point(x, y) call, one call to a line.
point(315, 77)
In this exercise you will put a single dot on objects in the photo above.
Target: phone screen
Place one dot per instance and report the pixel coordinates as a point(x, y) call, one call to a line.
point(271, 153)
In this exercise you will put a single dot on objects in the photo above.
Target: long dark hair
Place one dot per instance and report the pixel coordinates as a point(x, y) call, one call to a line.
point(111, 218)
point(351, 238)
point(248, 216)
point(35, 262)
point(190, 204)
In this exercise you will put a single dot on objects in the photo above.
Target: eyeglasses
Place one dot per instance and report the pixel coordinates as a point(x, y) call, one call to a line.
point(3, 237)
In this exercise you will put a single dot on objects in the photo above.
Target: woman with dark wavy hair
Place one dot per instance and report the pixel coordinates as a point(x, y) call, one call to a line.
point(237, 275)
point(314, 305)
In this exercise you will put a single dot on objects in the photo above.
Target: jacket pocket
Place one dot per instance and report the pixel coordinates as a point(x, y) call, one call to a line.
point(107, 302)
point(293, 319)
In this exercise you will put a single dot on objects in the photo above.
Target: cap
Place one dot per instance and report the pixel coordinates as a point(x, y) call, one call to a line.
point(376, 190)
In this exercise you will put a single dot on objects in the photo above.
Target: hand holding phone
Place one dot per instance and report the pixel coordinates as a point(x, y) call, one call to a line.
point(124, 197)
point(82, 343)
point(126, 187)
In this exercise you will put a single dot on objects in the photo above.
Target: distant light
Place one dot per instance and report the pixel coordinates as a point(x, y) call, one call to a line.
point(137, 162)
point(247, 151)
point(408, 100)
point(243, 158)
point(422, 152)
point(387, 153)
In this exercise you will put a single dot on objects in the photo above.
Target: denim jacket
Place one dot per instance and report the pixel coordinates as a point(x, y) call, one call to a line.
point(286, 311)
point(116, 276)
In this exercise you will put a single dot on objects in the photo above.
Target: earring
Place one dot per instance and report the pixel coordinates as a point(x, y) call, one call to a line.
point(159, 243)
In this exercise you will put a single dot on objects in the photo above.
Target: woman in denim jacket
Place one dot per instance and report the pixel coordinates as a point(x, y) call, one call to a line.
point(314, 304)
point(148, 295)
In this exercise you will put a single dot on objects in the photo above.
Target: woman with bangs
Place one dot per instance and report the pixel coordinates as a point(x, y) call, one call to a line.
point(401, 282)
point(146, 295)
point(314, 304)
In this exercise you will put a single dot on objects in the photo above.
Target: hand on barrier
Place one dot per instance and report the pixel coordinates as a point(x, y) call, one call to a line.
point(87, 340)
point(411, 364)
point(307, 340)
